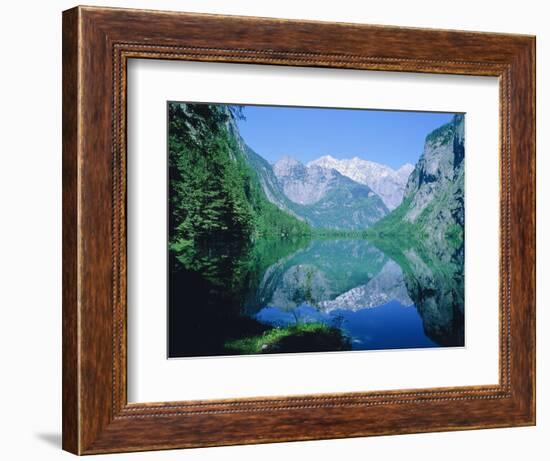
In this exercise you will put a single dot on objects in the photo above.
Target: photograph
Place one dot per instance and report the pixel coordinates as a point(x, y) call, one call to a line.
point(313, 229)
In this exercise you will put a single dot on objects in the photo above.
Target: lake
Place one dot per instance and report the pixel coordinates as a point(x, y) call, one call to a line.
point(313, 295)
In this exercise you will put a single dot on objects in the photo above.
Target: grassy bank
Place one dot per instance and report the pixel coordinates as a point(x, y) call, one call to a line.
point(303, 337)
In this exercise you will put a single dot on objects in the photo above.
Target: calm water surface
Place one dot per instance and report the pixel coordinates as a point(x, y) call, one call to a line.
point(375, 299)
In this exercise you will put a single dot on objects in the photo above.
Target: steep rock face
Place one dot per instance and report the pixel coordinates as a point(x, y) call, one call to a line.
point(440, 164)
point(269, 182)
point(388, 183)
point(302, 184)
point(433, 205)
point(435, 190)
point(327, 199)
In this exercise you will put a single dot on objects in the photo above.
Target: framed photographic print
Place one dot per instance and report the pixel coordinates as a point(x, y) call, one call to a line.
point(284, 230)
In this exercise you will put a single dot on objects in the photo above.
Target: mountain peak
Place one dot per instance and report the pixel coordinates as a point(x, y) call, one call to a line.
point(287, 166)
point(326, 198)
point(287, 160)
point(388, 183)
point(406, 167)
point(326, 161)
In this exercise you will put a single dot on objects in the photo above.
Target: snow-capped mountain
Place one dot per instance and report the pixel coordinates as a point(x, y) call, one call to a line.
point(388, 183)
point(326, 198)
point(386, 286)
point(304, 184)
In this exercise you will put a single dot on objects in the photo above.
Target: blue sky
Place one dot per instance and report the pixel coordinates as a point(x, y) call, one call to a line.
point(392, 138)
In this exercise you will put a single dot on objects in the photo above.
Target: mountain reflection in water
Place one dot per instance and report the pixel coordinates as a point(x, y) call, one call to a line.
point(231, 300)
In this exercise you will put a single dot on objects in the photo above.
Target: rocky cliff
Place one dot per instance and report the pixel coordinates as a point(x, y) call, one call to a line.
point(388, 183)
point(433, 204)
point(326, 198)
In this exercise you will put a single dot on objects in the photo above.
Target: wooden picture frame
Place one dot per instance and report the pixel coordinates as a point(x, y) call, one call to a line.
point(97, 43)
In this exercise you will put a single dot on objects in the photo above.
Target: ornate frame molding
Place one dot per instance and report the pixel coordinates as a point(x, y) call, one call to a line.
point(97, 43)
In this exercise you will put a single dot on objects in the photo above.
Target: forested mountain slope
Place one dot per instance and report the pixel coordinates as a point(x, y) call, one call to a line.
point(214, 193)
